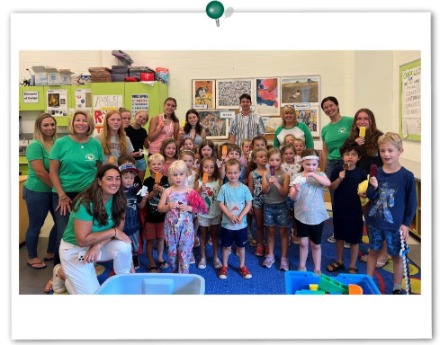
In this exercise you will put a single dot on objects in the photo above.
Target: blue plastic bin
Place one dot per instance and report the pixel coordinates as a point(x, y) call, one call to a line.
point(153, 284)
point(296, 280)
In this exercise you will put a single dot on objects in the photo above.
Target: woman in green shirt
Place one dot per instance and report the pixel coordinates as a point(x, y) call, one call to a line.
point(37, 191)
point(291, 126)
point(94, 233)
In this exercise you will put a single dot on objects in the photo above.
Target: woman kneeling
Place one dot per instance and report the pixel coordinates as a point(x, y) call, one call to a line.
point(94, 233)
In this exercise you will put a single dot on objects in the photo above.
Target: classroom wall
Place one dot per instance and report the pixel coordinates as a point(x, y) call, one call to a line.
point(356, 78)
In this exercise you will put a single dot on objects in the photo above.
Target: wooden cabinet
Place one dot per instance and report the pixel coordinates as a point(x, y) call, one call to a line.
point(23, 221)
point(415, 227)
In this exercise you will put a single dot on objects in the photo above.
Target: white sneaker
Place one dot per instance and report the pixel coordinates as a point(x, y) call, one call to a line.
point(192, 259)
point(347, 245)
point(202, 264)
point(331, 239)
point(58, 285)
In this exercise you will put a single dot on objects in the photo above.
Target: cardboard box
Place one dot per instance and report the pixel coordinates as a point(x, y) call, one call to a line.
point(40, 74)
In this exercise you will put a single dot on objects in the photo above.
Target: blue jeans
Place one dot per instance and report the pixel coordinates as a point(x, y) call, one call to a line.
point(39, 204)
point(61, 222)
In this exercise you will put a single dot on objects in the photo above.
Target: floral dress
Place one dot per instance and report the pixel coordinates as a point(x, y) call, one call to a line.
point(179, 230)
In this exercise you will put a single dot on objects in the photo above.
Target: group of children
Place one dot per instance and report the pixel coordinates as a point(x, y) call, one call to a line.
point(194, 196)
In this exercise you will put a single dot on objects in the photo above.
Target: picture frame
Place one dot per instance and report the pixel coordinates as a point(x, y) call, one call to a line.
point(309, 114)
point(271, 123)
point(267, 96)
point(216, 122)
point(228, 92)
point(300, 89)
point(203, 93)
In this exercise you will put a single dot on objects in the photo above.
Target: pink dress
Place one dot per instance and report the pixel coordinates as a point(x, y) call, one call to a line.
point(166, 132)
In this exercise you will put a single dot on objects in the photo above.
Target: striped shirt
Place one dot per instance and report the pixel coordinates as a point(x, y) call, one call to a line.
point(246, 127)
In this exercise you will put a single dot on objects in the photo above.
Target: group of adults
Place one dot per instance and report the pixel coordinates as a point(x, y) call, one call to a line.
point(76, 179)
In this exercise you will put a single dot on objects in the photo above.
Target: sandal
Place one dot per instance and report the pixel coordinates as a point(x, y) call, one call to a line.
point(163, 265)
point(153, 269)
point(353, 270)
point(335, 266)
point(37, 265)
point(381, 264)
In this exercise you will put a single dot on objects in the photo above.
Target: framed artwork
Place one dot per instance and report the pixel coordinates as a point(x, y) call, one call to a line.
point(267, 100)
point(216, 123)
point(271, 123)
point(228, 92)
point(303, 89)
point(203, 94)
point(309, 114)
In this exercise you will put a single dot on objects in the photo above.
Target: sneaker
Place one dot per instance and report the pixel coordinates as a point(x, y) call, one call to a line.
point(209, 241)
point(259, 251)
point(347, 245)
point(302, 269)
point(58, 285)
point(268, 262)
point(223, 273)
point(331, 239)
point(397, 292)
point(136, 263)
point(202, 264)
point(284, 266)
point(217, 263)
point(317, 273)
point(192, 259)
point(245, 273)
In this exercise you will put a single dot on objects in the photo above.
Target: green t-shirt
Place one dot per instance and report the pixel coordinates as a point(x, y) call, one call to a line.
point(77, 162)
point(82, 214)
point(36, 151)
point(335, 134)
point(300, 131)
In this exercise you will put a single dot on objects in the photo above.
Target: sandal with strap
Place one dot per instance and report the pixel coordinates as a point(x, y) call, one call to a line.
point(353, 270)
point(335, 266)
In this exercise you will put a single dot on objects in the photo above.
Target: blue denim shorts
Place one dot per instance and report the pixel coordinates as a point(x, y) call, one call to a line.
point(141, 164)
point(377, 236)
point(276, 214)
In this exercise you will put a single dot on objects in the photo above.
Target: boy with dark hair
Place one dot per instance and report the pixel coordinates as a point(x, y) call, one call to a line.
point(246, 124)
point(347, 208)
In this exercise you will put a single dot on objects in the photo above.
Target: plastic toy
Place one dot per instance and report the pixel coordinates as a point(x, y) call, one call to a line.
point(332, 286)
point(354, 289)
point(404, 250)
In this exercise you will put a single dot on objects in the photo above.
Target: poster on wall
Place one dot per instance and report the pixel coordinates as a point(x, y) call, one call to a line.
point(302, 89)
point(410, 101)
point(267, 102)
point(83, 99)
point(139, 102)
point(203, 94)
point(228, 92)
point(216, 123)
point(57, 102)
point(103, 104)
point(271, 123)
point(309, 114)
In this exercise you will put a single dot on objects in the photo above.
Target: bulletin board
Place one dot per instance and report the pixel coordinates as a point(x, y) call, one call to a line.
point(410, 101)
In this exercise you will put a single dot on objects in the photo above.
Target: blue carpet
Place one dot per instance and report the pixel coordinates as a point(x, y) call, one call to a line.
point(271, 281)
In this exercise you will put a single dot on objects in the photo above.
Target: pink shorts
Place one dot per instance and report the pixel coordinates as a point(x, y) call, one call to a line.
point(153, 231)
